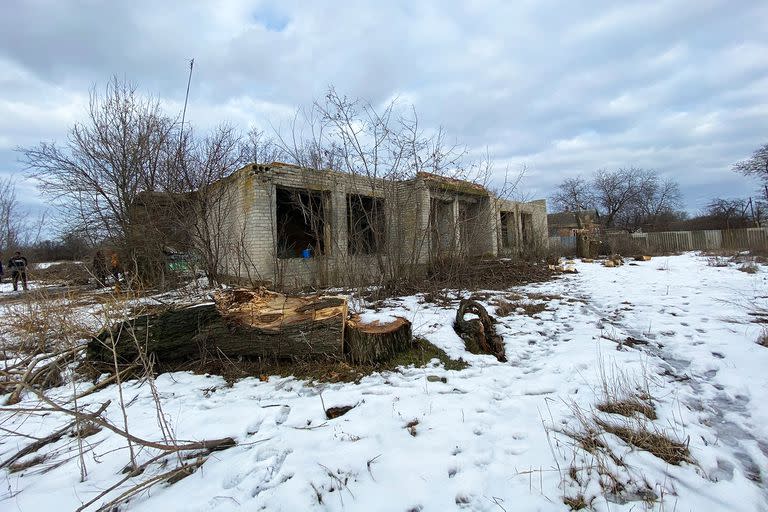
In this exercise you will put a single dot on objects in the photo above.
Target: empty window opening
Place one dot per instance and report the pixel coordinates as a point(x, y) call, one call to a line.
point(441, 226)
point(365, 224)
point(506, 229)
point(300, 219)
point(526, 223)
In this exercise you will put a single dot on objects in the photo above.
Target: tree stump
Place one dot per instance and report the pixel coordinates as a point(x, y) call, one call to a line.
point(376, 341)
point(478, 334)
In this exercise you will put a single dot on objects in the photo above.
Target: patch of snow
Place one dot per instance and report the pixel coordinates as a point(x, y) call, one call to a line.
point(489, 438)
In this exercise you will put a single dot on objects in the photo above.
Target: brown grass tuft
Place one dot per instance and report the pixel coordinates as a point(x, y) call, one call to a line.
point(17, 467)
point(763, 338)
point(628, 407)
point(654, 442)
point(576, 502)
point(749, 268)
point(506, 308)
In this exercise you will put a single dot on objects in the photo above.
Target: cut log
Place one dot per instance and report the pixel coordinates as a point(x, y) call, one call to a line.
point(641, 257)
point(242, 323)
point(370, 342)
point(478, 334)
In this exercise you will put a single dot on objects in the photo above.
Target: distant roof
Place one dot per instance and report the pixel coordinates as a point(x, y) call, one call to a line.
point(567, 219)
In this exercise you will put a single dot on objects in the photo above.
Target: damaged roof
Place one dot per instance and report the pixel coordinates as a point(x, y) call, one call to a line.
point(433, 180)
point(453, 184)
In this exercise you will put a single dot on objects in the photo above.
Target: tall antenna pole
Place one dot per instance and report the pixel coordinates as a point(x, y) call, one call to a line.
point(186, 98)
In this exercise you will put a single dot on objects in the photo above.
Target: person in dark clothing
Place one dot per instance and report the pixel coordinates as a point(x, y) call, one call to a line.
point(100, 268)
point(115, 267)
point(18, 267)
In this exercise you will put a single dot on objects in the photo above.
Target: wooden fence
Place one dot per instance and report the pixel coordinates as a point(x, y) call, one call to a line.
point(677, 241)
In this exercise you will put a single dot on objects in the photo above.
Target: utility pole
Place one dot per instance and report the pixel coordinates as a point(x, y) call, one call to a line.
point(186, 99)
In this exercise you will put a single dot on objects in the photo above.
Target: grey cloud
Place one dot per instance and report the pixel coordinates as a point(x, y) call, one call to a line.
point(562, 87)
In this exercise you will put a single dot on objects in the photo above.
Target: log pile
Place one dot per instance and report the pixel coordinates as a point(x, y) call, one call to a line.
point(254, 324)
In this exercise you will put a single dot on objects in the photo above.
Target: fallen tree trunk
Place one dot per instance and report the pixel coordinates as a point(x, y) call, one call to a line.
point(478, 334)
point(242, 323)
point(370, 342)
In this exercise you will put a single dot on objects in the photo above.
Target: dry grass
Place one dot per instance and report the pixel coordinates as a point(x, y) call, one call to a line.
point(629, 407)
point(717, 261)
point(40, 322)
point(506, 308)
point(69, 273)
point(763, 338)
point(600, 440)
point(576, 502)
point(749, 267)
point(20, 466)
point(651, 440)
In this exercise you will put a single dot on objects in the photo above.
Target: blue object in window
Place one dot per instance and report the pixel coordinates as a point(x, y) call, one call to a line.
point(306, 253)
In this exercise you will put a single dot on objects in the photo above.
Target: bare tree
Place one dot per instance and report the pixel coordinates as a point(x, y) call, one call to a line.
point(202, 207)
point(615, 190)
point(131, 176)
point(120, 151)
point(652, 200)
point(18, 228)
point(627, 197)
point(756, 165)
point(729, 213)
point(574, 194)
point(378, 149)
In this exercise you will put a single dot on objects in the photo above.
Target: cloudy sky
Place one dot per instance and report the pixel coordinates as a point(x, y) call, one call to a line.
point(561, 87)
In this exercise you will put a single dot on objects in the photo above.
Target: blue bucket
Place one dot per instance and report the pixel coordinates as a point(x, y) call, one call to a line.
point(306, 253)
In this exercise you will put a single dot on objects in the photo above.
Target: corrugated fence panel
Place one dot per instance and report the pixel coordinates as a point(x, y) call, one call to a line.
point(562, 242)
point(677, 241)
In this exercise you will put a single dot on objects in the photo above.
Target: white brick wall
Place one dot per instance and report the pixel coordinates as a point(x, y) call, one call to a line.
point(248, 203)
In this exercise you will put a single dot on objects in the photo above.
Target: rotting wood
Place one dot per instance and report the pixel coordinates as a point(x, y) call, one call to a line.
point(478, 333)
point(370, 342)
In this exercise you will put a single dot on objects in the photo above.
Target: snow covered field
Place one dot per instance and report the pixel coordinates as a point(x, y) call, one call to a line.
point(492, 437)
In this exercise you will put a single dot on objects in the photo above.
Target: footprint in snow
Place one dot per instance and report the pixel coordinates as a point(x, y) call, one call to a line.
point(254, 427)
point(263, 468)
point(282, 415)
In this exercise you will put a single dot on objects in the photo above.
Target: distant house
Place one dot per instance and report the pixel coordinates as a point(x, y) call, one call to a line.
point(565, 223)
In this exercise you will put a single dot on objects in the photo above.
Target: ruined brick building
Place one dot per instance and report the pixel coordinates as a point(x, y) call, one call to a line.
point(293, 227)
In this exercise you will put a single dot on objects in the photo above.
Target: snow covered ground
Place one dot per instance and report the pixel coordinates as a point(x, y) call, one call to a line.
point(492, 437)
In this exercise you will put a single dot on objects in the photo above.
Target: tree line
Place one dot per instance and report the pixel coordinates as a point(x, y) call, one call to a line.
point(634, 198)
point(627, 198)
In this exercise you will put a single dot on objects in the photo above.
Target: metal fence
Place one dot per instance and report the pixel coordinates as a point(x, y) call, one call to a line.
point(677, 241)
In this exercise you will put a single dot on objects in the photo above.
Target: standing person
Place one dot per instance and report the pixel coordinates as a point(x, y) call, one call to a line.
point(18, 267)
point(100, 267)
point(114, 267)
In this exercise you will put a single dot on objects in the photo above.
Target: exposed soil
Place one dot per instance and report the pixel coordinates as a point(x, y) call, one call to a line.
point(493, 274)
